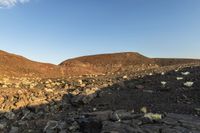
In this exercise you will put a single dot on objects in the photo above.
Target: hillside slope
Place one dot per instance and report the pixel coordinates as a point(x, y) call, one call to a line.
point(14, 65)
point(105, 63)
point(174, 61)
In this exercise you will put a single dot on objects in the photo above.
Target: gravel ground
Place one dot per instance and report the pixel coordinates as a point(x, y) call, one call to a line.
point(161, 100)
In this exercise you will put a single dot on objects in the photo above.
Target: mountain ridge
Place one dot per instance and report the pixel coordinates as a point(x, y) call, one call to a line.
point(17, 65)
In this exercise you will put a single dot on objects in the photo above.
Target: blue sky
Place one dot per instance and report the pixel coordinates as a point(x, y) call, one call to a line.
point(54, 30)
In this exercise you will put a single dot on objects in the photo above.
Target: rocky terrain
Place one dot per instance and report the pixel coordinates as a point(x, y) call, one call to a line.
point(117, 93)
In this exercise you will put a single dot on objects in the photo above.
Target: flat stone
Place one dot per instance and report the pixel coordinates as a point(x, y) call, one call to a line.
point(177, 129)
point(87, 99)
point(10, 115)
point(150, 128)
point(170, 121)
point(113, 127)
point(75, 126)
point(135, 122)
point(148, 91)
point(123, 115)
point(182, 117)
point(14, 130)
point(188, 84)
point(83, 99)
point(139, 86)
point(130, 85)
point(100, 115)
point(152, 116)
point(51, 125)
point(185, 73)
point(194, 124)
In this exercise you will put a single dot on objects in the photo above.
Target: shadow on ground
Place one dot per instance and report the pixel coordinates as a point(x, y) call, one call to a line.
point(116, 106)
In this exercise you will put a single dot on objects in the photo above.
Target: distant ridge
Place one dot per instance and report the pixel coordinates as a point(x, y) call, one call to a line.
point(15, 65)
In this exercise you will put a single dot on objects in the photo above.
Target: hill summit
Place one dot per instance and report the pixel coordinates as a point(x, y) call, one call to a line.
point(105, 63)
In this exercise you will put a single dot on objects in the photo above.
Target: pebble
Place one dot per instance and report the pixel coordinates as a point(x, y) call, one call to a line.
point(148, 91)
point(139, 86)
point(125, 77)
point(143, 110)
point(185, 73)
point(179, 78)
point(188, 84)
point(197, 110)
point(152, 116)
point(163, 83)
point(94, 109)
point(48, 90)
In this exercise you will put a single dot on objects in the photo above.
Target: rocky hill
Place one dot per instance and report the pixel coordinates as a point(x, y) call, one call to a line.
point(117, 62)
point(15, 65)
point(108, 63)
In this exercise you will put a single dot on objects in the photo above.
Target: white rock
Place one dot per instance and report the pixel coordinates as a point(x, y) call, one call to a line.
point(152, 116)
point(80, 81)
point(176, 70)
point(162, 73)
point(163, 83)
point(143, 110)
point(179, 78)
point(185, 73)
point(125, 77)
point(189, 84)
point(48, 90)
point(4, 86)
point(118, 118)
